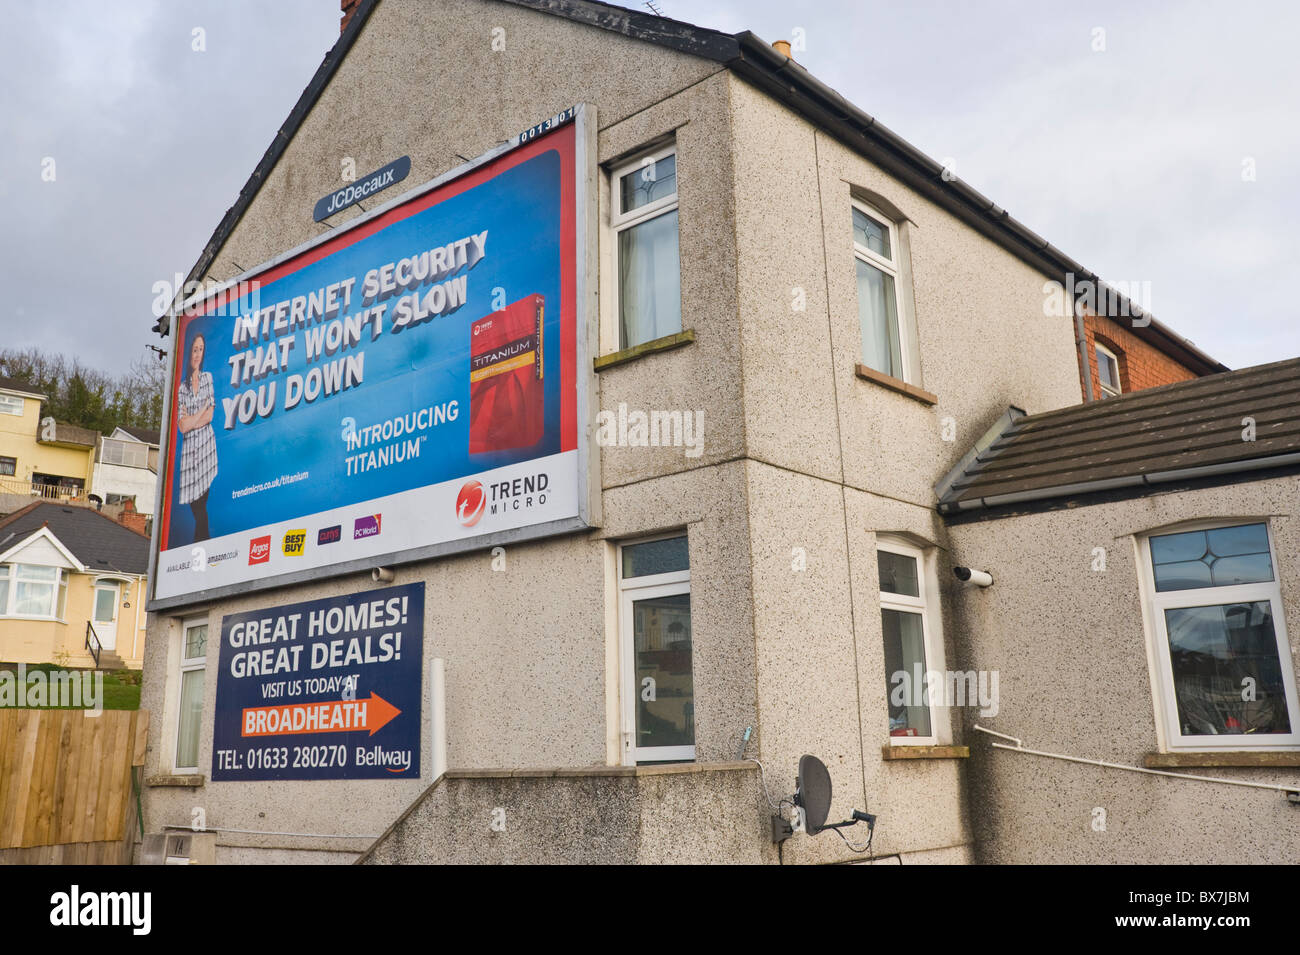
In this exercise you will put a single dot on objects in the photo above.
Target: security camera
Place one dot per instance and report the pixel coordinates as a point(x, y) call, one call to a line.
point(382, 575)
point(977, 578)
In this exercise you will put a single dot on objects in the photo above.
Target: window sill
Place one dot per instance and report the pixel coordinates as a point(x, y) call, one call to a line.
point(1265, 758)
point(924, 752)
point(894, 384)
point(667, 343)
point(192, 781)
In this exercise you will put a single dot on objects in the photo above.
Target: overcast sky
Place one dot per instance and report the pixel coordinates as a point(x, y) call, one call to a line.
point(1127, 135)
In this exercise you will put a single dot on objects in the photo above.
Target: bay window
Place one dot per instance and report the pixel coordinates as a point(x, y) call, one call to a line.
point(27, 590)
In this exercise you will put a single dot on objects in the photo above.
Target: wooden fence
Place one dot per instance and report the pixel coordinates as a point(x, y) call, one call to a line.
point(69, 784)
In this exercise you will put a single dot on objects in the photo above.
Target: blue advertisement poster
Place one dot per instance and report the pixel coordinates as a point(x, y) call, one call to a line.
point(324, 689)
point(409, 382)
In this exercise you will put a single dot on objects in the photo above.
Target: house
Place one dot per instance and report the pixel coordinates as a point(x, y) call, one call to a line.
point(39, 458)
point(72, 588)
point(1163, 527)
point(788, 326)
point(126, 469)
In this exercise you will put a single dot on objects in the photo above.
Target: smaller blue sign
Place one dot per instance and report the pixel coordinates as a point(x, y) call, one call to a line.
point(354, 192)
point(324, 689)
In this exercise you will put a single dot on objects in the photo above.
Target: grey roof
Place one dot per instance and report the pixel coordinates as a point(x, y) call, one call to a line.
point(13, 384)
point(141, 434)
point(754, 60)
point(99, 542)
point(1188, 431)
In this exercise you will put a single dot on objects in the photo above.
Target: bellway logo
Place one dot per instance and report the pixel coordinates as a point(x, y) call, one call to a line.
point(294, 541)
point(329, 535)
point(367, 526)
point(470, 503)
point(131, 909)
point(259, 550)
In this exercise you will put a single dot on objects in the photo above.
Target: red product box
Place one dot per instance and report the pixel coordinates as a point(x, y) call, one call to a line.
point(506, 394)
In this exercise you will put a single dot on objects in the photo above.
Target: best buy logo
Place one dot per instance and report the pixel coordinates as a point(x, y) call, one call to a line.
point(294, 541)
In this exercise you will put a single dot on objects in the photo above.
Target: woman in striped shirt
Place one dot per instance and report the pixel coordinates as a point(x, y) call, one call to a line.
point(195, 403)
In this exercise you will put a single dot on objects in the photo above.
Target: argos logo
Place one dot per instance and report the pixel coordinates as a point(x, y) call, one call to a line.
point(259, 550)
point(470, 503)
point(294, 541)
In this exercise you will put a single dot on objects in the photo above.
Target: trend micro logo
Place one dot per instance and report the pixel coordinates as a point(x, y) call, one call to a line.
point(367, 526)
point(470, 503)
point(294, 541)
point(259, 550)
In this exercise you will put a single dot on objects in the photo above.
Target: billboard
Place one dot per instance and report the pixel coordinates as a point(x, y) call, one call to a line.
point(409, 385)
point(324, 689)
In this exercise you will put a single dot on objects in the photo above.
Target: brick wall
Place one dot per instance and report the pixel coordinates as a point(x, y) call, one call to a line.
point(1140, 364)
point(348, 7)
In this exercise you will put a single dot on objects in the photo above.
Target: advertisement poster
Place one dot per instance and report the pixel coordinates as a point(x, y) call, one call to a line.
point(406, 384)
point(324, 689)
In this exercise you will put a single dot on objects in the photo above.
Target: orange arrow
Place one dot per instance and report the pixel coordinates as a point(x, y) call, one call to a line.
point(327, 716)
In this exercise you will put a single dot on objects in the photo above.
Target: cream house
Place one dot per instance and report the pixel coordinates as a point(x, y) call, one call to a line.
point(72, 588)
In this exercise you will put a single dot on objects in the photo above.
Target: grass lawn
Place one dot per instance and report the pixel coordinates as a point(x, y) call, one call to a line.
point(121, 687)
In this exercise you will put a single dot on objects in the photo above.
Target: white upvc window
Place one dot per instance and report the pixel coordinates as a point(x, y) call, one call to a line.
point(647, 283)
point(1108, 371)
point(1224, 675)
point(658, 688)
point(11, 404)
point(913, 639)
point(877, 252)
point(131, 454)
point(31, 592)
point(193, 660)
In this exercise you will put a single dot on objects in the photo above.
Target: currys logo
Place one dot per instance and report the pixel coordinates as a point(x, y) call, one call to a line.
point(329, 535)
point(294, 541)
point(470, 503)
point(259, 550)
point(367, 526)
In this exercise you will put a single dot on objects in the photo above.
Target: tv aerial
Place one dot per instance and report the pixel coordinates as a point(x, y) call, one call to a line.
point(812, 804)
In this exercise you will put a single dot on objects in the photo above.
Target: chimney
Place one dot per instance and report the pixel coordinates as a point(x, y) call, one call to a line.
point(349, 7)
point(781, 46)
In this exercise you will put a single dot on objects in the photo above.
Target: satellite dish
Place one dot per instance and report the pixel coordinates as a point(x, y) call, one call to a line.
point(813, 791)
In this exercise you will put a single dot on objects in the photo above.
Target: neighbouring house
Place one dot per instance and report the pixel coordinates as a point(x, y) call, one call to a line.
point(1145, 553)
point(45, 459)
point(126, 470)
point(72, 588)
point(866, 343)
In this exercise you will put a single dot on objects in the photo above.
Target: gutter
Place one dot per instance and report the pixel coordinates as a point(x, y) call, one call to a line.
point(1110, 484)
point(787, 81)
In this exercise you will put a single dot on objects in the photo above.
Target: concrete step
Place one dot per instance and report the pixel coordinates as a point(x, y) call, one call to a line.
point(109, 660)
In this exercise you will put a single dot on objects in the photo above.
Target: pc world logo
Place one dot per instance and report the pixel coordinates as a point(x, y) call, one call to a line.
point(367, 526)
point(470, 503)
point(259, 550)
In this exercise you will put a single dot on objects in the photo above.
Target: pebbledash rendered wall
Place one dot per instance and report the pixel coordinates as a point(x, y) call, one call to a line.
point(1075, 680)
point(799, 454)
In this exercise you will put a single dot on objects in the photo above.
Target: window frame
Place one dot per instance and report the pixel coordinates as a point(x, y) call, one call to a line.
point(120, 448)
point(189, 665)
point(7, 403)
point(630, 590)
point(619, 222)
point(1164, 697)
point(11, 463)
point(900, 271)
point(1101, 349)
point(927, 606)
point(58, 607)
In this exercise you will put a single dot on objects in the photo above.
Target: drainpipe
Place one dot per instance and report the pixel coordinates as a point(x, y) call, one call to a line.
point(1081, 340)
